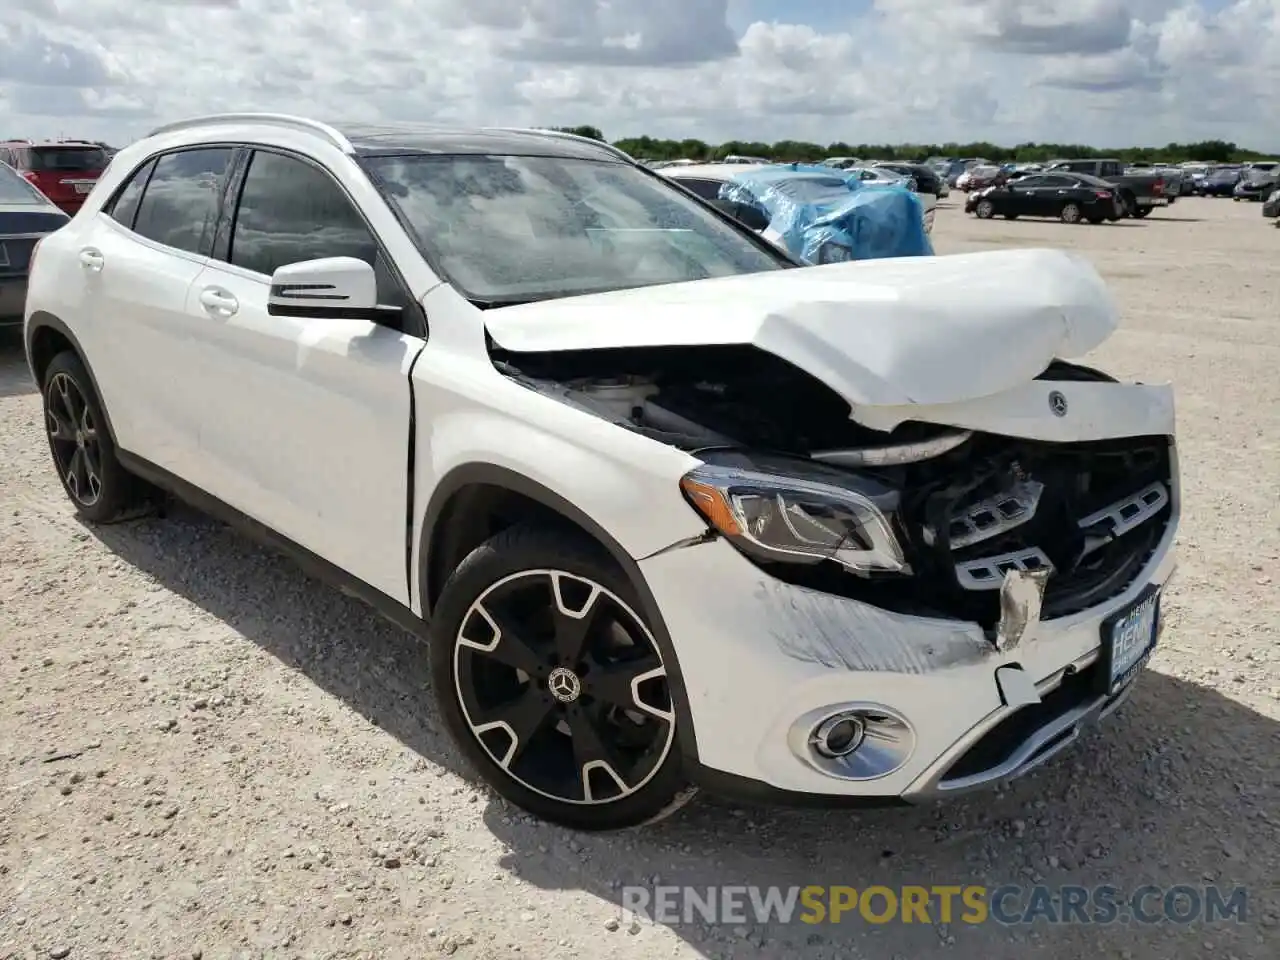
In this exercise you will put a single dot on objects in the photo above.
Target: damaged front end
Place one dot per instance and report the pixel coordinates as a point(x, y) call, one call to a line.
point(983, 521)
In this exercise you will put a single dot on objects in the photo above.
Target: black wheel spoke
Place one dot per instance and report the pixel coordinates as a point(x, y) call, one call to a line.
point(509, 646)
point(573, 625)
point(76, 478)
point(592, 751)
point(615, 683)
point(522, 719)
point(60, 427)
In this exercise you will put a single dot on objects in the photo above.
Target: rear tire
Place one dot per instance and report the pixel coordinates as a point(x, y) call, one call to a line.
point(1142, 212)
point(553, 685)
point(83, 451)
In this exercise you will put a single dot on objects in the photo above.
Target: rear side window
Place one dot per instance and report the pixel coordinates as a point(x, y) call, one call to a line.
point(706, 189)
point(291, 211)
point(125, 207)
point(59, 159)
point(179, 207)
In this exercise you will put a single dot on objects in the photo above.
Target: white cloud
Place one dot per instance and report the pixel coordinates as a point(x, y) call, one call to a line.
point(1109, 72)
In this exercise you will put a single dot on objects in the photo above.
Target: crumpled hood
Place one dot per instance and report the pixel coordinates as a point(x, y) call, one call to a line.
point(922, 330)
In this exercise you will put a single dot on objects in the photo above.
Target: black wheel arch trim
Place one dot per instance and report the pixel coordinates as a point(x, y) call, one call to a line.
point(488, 474)
point(42, 320)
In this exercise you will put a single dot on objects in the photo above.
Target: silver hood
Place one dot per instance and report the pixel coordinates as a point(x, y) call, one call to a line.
point(919, 330)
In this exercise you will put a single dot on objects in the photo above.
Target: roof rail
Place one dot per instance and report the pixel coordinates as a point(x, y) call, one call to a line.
point(332, 134)
point(564, 135)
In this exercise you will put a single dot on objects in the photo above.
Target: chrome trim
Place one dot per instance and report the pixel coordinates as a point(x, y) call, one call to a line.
point(996, 567)
point(888, 741)
point(1149, 501)
point(329, 133)
point(1033, 752)
point(1007, 509)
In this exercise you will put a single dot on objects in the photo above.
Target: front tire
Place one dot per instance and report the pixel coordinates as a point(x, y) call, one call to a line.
point(1070, 213)
point(84, 454)
point(553, 684)
point(985, 210)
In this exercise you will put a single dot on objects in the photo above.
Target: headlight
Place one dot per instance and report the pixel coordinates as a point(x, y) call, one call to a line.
point(795, 511)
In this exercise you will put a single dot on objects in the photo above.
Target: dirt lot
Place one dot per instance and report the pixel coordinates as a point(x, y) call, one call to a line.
point(205, 753)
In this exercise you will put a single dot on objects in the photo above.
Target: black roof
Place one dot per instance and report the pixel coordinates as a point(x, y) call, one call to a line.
point(400, 139)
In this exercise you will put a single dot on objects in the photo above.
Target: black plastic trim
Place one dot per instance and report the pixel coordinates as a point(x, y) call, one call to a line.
point(410, 478)
point(41, 320)
point(488, 474)
point(312, 563)
point(745, 790)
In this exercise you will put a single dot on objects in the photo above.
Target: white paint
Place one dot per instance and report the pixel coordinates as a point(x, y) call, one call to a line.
point(304, 426)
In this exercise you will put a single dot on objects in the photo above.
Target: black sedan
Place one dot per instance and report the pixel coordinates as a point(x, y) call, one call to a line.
point(1071, 197)
point(26, 215)
point(926, 178)
point(1219, 183)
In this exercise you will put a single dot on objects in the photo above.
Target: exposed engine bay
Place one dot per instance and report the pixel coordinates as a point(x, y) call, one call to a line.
point(968, 506)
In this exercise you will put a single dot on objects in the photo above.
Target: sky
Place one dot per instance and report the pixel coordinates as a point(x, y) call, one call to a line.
point(1102, 72)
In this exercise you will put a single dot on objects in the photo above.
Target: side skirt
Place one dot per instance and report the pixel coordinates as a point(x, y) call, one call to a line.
point(315, 565)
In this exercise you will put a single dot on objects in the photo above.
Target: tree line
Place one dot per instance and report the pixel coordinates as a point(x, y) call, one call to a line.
point(787, 151)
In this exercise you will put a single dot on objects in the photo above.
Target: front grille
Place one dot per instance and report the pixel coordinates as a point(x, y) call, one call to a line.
point(1090, 513)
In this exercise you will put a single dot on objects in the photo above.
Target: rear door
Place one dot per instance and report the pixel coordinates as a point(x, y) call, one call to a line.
point(135, 263)
point(305, 422)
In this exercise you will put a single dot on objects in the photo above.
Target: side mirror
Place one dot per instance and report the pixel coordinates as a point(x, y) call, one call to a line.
point(332, 288)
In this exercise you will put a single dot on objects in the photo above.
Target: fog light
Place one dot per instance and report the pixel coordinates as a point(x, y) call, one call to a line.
point(839, 735)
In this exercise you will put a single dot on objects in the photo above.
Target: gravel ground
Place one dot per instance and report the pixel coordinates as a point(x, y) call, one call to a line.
point(205, 753)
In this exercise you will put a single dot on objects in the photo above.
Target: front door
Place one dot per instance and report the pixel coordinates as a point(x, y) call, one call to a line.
point(307, 421)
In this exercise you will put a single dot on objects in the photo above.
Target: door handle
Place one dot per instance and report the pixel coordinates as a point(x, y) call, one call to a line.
point(92, 259)
point(218, 302)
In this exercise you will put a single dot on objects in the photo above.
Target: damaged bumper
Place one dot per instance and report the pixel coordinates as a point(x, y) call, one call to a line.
point(781, 681)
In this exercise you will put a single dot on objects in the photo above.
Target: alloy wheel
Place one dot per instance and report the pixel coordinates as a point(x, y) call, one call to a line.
point(73, 433)
point(563, 686)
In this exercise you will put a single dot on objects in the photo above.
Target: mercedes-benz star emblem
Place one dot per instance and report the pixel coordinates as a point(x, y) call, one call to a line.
point(1058, 403)
point(564, 685)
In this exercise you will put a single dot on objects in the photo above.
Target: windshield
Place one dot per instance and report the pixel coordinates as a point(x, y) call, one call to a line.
point(67, 158)
point(513, 229)
point(13, 189)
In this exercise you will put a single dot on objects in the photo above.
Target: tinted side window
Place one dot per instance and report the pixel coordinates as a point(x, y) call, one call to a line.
point(291, 211)
point(180, 205)
point(706, 189)
point(124, 209)
point(1030, 183)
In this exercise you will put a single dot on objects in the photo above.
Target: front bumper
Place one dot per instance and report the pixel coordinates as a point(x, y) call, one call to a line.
point(762, 660)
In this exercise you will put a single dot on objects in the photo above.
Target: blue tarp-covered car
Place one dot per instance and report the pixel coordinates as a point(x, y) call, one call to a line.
point(823, 215)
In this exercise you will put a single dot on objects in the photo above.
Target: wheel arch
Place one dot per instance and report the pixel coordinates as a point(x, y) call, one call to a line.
point(474, 501)
point(45, 337)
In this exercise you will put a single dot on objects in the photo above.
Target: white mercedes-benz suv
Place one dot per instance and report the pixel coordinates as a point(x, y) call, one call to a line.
point(673, 510)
